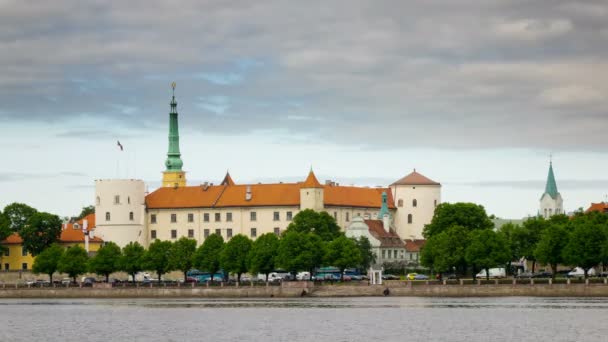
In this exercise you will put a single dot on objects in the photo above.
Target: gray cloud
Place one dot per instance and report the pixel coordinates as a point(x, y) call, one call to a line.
point(390, 74)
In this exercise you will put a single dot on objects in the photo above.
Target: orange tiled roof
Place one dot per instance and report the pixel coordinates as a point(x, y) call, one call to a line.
point(414, 246)
point(602, 207)
point(185, 197)
point(311, 181)
point(281, 194)
point(353, 196)
point(227, 180)
point(387, 239)
point(13, 239)
point(68, 233)
point(415, 178)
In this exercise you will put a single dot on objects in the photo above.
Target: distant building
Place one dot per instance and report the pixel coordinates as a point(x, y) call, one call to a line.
point(551, 202)
point(17, 258)
point(601, 207)
point(126, 213)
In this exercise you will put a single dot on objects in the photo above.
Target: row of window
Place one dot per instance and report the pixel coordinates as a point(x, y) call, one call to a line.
point(7, 267)
point(108, 216)
point(116, 200)
point(394, 254)
point(253, 233)
point(414, 203)
point(24, 252)
point(253, 216)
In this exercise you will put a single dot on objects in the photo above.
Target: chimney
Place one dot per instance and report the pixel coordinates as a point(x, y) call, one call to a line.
point(328, 182)
point(248, 193)
point(386, 223)
point(205, 186)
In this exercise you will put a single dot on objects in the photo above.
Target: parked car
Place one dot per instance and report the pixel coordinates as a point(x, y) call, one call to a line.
point(41, 283)
point(494, 273)
point(303, 276)
point(389, 277)
point(66, 281)
point(446, 276)
point(524, 275)
point(88, 281)
point(419, 276)
point(578, 272)
point(542, 274)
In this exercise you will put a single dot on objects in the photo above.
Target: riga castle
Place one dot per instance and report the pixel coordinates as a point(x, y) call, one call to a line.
point(125, 212)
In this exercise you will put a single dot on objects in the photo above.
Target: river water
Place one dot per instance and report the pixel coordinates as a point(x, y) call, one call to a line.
point(308, 319)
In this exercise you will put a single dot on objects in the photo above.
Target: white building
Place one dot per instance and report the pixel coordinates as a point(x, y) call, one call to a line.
point(551, 202)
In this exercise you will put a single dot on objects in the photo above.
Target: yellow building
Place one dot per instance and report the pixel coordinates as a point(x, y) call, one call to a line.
point(17, 258)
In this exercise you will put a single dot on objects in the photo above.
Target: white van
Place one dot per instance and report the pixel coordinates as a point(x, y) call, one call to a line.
point(578, 272)
point(494, 273)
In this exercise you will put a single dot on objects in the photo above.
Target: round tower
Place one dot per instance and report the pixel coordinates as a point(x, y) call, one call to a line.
point(120, 210)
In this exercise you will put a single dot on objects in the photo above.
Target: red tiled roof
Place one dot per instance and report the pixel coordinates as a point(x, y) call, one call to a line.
point(311, 181)
point(184, 197)
point(415, 178)
point(281, 194)
point(602, 207)
point(13, 239)
point(227, 180)
point(68, 233)
point(387, 239)
point(414, 246)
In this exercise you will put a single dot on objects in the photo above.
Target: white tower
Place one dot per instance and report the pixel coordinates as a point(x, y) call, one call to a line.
point(311, 193)
point(120, 211)
point(551, 202)
point(416, 197)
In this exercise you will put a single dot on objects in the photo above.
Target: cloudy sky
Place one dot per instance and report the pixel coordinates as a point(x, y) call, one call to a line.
point(474, 94)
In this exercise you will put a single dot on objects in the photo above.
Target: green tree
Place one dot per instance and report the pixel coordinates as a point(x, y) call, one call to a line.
point(18, 214)
point(584, 248)
point(182, 253)
point(73, 262)
point(447, 250)
point(468, 215)
point(342, 253)
point(529, 236)
point(40, 231)
point(207, 255)
point(156, 258)
point(106, 261)
point(235, 255)
point(132, 258)
point(487, 249)
point(47, 261)
point(86, 211)
point(262, 255)
point(319, 223)
point(300, 252)
point(550, 248)
point(367, 255)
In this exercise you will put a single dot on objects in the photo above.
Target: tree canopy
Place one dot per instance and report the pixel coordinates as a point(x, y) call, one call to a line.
point(207, 256)
point(156, 257)
point(235, 254)
point(487, 249)
point(550, 247)
point(40, 231)
point(18, 214)
point(342, 253)
point(320, 223)
point(86, 211)
point(181, 255)
point(131, 260)
point(447, 250)
point(300, 251)
point(468, 215)
point(47, 261)
point(73, 262)
point(263, 253)
point(106, 261)
point(367, 255)
point(587, 238)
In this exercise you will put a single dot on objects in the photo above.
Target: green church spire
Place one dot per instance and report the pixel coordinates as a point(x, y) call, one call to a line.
point(174, 162)
point(551, 187)
point(384, 208)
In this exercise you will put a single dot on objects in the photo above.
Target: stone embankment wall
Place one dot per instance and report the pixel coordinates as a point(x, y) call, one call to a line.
point(307, 289)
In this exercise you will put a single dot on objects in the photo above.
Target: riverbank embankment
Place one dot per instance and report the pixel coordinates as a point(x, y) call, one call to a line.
point(301, 289)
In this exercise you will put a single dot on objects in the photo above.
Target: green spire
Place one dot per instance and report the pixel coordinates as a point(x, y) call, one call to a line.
point(551, 187)
point(174, 161)
point(384, 208)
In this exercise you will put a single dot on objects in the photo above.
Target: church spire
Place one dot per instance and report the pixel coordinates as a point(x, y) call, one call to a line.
point(551, 186)
point(174, 161)
point(173, 176)
point(384, 207)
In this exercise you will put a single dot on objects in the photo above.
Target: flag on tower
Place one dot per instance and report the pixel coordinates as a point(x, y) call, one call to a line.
point(119, 144)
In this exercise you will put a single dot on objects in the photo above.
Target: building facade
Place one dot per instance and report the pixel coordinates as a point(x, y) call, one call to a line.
point(551, 202)
point(126, 213)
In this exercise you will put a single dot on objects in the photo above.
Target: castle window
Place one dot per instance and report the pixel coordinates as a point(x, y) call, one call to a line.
point(128, 200)
point(384, 254)
point(347, 217)
point(409, 218)
point(190, 217)
point(277, 231)
point(23, 251)
point(218, 217)
point(153, 218)
point(228, 217)
point(190, 233)
point(173, 218)
point(254, 232)
point(116, 199)
point(206, 217)
point(229, 232)
point(98, 200)
point(173, 233)
point(289, 216)
point(400, 203)
point(206, 233)
point(153, 234)
point(435, 203)
point(107, 216)
point(414, 203)
point(276, 216)
point(336, 215)
point(218, 232)
point(7, 252)
point(131, 216)
point(253, 216)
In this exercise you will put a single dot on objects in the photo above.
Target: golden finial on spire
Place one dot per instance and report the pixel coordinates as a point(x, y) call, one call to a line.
point(173, 87)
